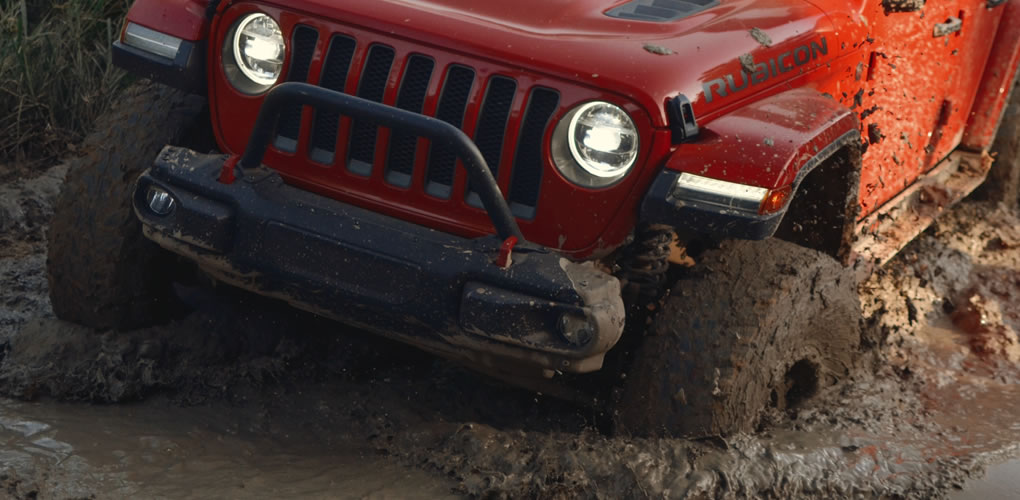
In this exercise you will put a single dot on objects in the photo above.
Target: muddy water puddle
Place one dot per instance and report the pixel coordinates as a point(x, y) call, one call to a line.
point(1000, 481)
point(156, 451)
point(914, 431)
point(976, 402)
point(289, 445)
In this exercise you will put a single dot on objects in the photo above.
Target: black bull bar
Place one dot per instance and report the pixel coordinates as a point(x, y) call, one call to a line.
point(438, 131)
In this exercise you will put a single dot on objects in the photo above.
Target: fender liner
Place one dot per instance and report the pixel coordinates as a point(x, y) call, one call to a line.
point(772, 143)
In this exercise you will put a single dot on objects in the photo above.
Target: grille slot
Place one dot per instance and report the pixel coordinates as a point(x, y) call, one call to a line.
point(372, 87)
point(452, 103)
point(403, 146)
point(492, 122)
point(508, 121)
point(334, 77)
point(527, 173)
point(289, 126)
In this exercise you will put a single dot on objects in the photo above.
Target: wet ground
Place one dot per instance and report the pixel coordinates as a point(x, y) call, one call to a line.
point(155, 450)
point(243, 399)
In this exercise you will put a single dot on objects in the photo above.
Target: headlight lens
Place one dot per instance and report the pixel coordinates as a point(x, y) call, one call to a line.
point(596, 144)
point(258, 48)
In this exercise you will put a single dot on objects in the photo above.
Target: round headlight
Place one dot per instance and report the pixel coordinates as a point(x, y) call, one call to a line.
point(258, 47)
point(602, 142)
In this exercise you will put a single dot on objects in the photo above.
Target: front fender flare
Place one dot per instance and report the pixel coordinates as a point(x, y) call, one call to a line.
point(772, 143)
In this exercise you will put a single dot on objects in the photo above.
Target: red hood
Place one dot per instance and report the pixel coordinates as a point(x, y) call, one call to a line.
point(576, 40)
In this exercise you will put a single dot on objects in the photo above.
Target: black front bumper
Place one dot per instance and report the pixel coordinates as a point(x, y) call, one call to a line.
point(431, 289)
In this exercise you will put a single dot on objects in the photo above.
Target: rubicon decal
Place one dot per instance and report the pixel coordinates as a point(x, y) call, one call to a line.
point(755, 74)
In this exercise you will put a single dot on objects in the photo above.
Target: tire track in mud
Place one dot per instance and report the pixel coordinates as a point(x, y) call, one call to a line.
point(897, 429)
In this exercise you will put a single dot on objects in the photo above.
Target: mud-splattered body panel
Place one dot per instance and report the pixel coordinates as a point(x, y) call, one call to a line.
point(920, 83)
point(909, 73)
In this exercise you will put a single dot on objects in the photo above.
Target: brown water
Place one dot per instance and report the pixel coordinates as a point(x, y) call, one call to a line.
point(982, 408)
point(1000, 481)
point(155, 451)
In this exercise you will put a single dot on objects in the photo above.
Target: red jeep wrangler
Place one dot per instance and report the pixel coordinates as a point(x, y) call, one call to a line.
point(684, 192)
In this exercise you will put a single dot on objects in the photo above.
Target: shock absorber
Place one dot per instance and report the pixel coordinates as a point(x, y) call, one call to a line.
point(643, 265)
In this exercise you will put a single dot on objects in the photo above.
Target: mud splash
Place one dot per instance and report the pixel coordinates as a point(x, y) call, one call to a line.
point(992, 330)
point(289, 406)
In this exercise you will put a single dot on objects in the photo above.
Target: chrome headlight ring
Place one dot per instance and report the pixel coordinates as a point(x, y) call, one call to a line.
point(595, 145)
point(253, 53)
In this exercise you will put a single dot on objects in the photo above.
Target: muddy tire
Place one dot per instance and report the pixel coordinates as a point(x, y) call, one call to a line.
point(1003, 183)
point(763, 323)
point(102, 272)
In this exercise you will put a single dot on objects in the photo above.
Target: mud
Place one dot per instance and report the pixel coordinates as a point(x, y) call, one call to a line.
point(980, 313)
point(161, 450)
point(25, 209)
point(1000, 482)
point(761, 37)
point(245, 398)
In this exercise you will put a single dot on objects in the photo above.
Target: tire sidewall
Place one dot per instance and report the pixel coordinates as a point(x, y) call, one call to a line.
point(102, 271)
point(728, 336)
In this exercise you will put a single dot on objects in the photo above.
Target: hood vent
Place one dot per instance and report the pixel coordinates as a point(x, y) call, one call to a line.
point(660, 11)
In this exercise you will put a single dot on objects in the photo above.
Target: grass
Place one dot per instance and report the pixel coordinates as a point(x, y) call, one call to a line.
point(56, 75)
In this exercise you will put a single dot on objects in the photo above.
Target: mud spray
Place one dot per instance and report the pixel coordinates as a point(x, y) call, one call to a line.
point(244, 398)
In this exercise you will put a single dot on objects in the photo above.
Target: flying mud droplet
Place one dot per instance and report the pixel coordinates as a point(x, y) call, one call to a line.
point(981, 315)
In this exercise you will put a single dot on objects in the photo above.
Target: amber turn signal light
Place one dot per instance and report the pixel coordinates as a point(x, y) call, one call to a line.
point(775, 200)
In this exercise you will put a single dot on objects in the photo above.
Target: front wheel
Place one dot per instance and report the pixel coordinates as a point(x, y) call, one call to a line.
point(102, 272)
point(760, 324)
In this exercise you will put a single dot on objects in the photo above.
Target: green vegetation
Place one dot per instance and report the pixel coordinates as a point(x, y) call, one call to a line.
point(56, 76)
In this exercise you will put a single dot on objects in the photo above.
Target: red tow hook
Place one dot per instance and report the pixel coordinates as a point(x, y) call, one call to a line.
point(227, 174)
point(505, 250)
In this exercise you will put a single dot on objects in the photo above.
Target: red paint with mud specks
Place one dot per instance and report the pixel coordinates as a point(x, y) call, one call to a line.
point(995, 83)
point(770, 80)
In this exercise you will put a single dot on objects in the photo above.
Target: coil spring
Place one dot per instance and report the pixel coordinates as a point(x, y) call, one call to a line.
point(643, 266)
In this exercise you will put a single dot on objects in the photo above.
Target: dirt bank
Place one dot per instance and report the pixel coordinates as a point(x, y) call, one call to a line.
point(934, 410)
point(25, 208)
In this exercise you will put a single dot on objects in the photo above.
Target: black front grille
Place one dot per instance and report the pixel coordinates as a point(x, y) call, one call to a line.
point(503, 107)
point(403, 146)
point(492, 126)
point(289, 126)
point(492, 122)
point(334, 77)
point(372, 87)
point(452, 103)
point(527, 174)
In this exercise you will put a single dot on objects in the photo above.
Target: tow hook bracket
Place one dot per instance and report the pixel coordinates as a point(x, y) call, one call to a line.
point(505, 252)
point(227, 175)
